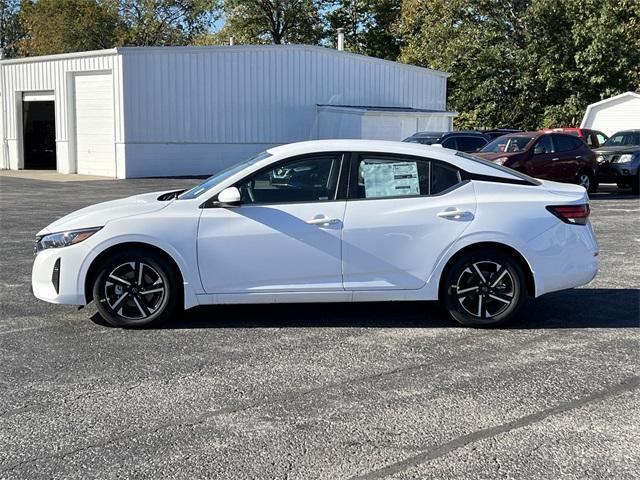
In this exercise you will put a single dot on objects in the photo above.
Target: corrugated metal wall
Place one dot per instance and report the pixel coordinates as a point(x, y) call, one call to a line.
point(258, 94)
point(50, 73)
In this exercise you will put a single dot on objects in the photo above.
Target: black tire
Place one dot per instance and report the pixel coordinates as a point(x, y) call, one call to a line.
point(119, 289)
point(622, 185)
point(500, 283)
point(587, 180)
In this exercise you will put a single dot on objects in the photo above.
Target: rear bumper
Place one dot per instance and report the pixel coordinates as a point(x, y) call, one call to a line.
point(566, 256)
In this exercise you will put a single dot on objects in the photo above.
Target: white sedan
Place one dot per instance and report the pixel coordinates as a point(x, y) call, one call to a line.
point(326, 221)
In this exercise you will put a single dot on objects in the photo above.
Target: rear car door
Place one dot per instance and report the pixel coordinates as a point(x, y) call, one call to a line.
point(568, 157)
point(403, 212)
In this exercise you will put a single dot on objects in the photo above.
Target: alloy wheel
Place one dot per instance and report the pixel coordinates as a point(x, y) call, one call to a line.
point(485, 289)
point(134, 290)
point(584, 181)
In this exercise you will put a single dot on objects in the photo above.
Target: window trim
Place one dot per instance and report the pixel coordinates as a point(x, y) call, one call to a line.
point(341, 187)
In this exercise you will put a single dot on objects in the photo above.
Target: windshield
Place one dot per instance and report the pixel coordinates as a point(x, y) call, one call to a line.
point(623, 139)
point(222, 175)
point(422, 140)
point(508, 144)
point(510, 171)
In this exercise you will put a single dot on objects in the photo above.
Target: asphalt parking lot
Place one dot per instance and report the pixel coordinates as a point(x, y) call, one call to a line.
point(318, 391)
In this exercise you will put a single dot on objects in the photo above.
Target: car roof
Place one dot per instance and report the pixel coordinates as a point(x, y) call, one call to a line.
point(464, 162)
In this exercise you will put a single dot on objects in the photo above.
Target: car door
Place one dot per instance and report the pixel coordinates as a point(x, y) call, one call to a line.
point(284, 236)
point(568, 157)
point(403, 213)
point(540, 165)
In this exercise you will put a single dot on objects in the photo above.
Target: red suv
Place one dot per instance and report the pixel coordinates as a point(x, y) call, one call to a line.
point(549, 156)
point(593, 138)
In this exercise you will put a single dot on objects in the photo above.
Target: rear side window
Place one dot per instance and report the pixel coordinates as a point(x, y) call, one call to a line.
point(564, 143)
point(450, 143)
point(443, 177)
point(470, 144)
point(380, 177)
point(601, 138)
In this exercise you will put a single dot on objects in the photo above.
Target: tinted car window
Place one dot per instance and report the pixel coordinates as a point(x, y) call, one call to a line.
point(544, 145)
point(387, 177)
point(443, 177)
point(601, 138)
point(310, 179)
point(563, 143)
point(450, 143)
point(623, 138)
point(470, 144)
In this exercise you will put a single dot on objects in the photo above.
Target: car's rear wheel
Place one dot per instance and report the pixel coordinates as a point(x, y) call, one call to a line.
point(588, 181)
point(484, 288)
point(135, 288)
point(635, 184)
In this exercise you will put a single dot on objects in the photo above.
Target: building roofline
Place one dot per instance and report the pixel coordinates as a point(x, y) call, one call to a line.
point(220, 48)
point(381, 110)
point(60, 56)
point(603, 102)
point(314, 48)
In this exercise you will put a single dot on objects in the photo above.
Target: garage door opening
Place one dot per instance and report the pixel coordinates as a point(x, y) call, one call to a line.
point(39, 133)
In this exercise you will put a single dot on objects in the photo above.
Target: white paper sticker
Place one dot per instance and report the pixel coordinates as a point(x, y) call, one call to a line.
point(390, 179)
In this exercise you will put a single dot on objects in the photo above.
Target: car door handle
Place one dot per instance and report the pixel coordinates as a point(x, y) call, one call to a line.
point(322, 220)
point(579, 157)
point(454, 214)
point(554, 159)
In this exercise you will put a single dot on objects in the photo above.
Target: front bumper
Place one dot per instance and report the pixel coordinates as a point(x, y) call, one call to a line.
point(43, 277)
point(617, 172)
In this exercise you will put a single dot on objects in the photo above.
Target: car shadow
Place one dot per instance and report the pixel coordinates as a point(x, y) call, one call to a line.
point(612, 192)
point(577, 308)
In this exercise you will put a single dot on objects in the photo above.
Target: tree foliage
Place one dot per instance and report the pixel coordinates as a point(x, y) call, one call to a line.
point(274, 21)
point(368, 26)
point(10, 26)
point(527, 63)
point(58, 26)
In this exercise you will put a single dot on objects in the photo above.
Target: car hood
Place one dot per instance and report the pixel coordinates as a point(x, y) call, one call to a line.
point(99, 214)
point(618, 149)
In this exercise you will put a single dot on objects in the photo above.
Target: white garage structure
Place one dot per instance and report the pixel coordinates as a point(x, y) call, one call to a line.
point(139, 112)
point(611, 115)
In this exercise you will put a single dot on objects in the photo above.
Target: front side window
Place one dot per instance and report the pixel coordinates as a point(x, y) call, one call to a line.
point(623, 139)
point(543, 146)
point(308, 179)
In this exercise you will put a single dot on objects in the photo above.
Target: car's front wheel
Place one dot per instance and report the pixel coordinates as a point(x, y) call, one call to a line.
point(135, 288)
point(484, 288)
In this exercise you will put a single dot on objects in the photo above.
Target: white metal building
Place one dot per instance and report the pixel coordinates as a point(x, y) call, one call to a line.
point(134, 112)
point(611, 115)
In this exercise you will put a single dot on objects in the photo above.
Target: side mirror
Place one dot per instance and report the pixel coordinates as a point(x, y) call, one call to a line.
point(229, 197)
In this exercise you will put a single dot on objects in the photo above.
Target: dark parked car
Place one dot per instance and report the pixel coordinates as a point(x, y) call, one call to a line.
point(498, 132)
point(463, 141)
point(593, 138)
point(619, 160)
point(549, 156)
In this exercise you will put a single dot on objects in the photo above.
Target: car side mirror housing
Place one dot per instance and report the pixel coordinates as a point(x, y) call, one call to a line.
point(229, 197)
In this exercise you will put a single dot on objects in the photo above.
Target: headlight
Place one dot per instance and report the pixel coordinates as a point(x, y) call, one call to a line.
point(501, 160)
point(64, 239)
point(626, 158)
point(600, 158)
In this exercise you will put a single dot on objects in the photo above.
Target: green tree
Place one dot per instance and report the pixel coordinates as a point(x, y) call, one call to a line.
point(368, 26)
point(273, 21)
point(10, 28)
point(527, 63)
point(165, 22)
point(58, 26)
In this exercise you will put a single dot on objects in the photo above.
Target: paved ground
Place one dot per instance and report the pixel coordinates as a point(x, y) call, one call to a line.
point(318, 391)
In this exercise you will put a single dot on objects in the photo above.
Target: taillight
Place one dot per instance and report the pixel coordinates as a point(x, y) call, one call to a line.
point(573, 214)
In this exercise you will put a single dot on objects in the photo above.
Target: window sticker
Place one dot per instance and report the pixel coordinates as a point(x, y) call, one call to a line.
point(390, 179)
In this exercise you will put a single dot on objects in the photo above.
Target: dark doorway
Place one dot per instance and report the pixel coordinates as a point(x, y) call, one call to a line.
point(39, 133)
